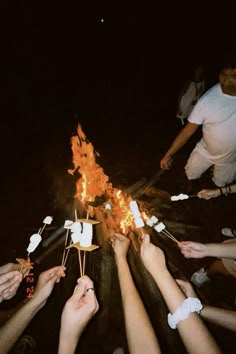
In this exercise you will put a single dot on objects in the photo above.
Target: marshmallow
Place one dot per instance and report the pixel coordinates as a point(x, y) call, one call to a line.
point(181, 196)
point(87, 234)
point(75, 236)
point(35, 240)
point(48, 220)
point(76, 227)
point(134, 209)
point(152, 221)
point(159, 227)
point(138, 222)
point(68, 224)
point(108, 206)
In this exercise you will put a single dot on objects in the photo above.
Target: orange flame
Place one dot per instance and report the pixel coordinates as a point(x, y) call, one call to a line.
point(93, 182)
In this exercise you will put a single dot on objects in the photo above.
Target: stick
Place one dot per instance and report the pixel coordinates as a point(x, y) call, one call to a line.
point(80, 264)
point(64, 252)
point(76, 215)
point(84, 261)
point(170, 236)
point(41, 229)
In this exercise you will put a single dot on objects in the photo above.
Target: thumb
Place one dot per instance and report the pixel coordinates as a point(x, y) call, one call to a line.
point(79, 289)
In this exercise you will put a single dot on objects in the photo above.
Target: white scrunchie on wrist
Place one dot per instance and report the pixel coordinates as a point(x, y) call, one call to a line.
point(191, 304)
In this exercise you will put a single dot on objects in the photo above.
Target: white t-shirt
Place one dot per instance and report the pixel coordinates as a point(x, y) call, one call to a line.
point(216, 112)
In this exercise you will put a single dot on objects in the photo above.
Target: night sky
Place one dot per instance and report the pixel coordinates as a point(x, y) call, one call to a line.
point(116, 68)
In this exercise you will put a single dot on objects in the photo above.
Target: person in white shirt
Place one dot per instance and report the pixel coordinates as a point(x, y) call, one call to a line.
point(216, 113)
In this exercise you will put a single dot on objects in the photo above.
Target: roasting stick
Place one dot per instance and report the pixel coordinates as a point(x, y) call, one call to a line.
point(160, 227)
point(168, 234)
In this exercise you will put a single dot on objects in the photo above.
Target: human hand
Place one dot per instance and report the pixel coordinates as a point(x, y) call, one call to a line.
point(9, 283)
point(193, 249)
point(208, 193)
point(165, 162)
point(152, 256)
point(120, 245)
point(78, 310)
point(46, 282)
point(186, 287)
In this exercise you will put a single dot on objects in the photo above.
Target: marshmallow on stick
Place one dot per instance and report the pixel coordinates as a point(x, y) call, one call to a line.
point(138, 221)
point(35, 240)
point(86, 235)
point(46, 221)
point(181, 196)
point(152, 221)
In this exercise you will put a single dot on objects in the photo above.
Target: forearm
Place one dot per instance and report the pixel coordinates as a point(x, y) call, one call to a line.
point(221, 317)
point(181, 138)
point(192, 330)
point(140, 334)
point(67, 344)
point(15, 326)
point(222, 250)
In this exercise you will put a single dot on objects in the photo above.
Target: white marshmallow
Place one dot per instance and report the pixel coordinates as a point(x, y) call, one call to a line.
point(48, 220)
point(138, 222)
point(159, 227)
point(87, 235)
point(134, 208)
point(108, 206)
point(68, 224)
point(76, 227)
point(35, 240)
point(75, 236)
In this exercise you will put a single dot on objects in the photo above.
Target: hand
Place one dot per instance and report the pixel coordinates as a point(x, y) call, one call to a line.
point(186, 287)
point(208, 193)
point(165, 162)
point(9, 283)
point(152, 256)
point(8, 267)
point(193, 249)
point(79, 309)
point(46, 282)
point(120, 245)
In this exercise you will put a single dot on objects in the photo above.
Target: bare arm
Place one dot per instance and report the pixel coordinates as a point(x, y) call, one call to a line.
point(14, 327)
point(200, 250)
point(179, 141)
point(214, 193)
point(216, 315)
point(140, 334)
point(195, 335)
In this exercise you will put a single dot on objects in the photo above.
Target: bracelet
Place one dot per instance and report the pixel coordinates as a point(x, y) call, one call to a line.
point(221, 191)
point(191, 304)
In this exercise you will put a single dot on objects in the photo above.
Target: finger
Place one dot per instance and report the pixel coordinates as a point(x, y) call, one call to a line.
point(146, 239)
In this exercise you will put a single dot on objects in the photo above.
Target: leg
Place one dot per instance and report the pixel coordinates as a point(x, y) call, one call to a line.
point(224, 174)
point(217, 267)
point(196, 165)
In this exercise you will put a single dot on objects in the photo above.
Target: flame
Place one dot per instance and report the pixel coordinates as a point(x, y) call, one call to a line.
point(93, 182)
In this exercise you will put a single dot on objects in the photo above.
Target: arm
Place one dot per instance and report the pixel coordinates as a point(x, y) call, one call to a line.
point(199, 250)
point(179, 141)
point(196, 337)
point(216, 315)
point(15, 326)
point(140, 334)
point(77, 312)
point(214, 193)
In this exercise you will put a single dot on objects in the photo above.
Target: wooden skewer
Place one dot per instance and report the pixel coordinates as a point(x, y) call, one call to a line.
point(80, 264)
point(64, 252)
point(170, 236)
point(84, 261)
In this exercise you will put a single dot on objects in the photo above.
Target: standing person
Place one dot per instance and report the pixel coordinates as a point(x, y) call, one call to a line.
point(191, 90)
point(216, 113)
